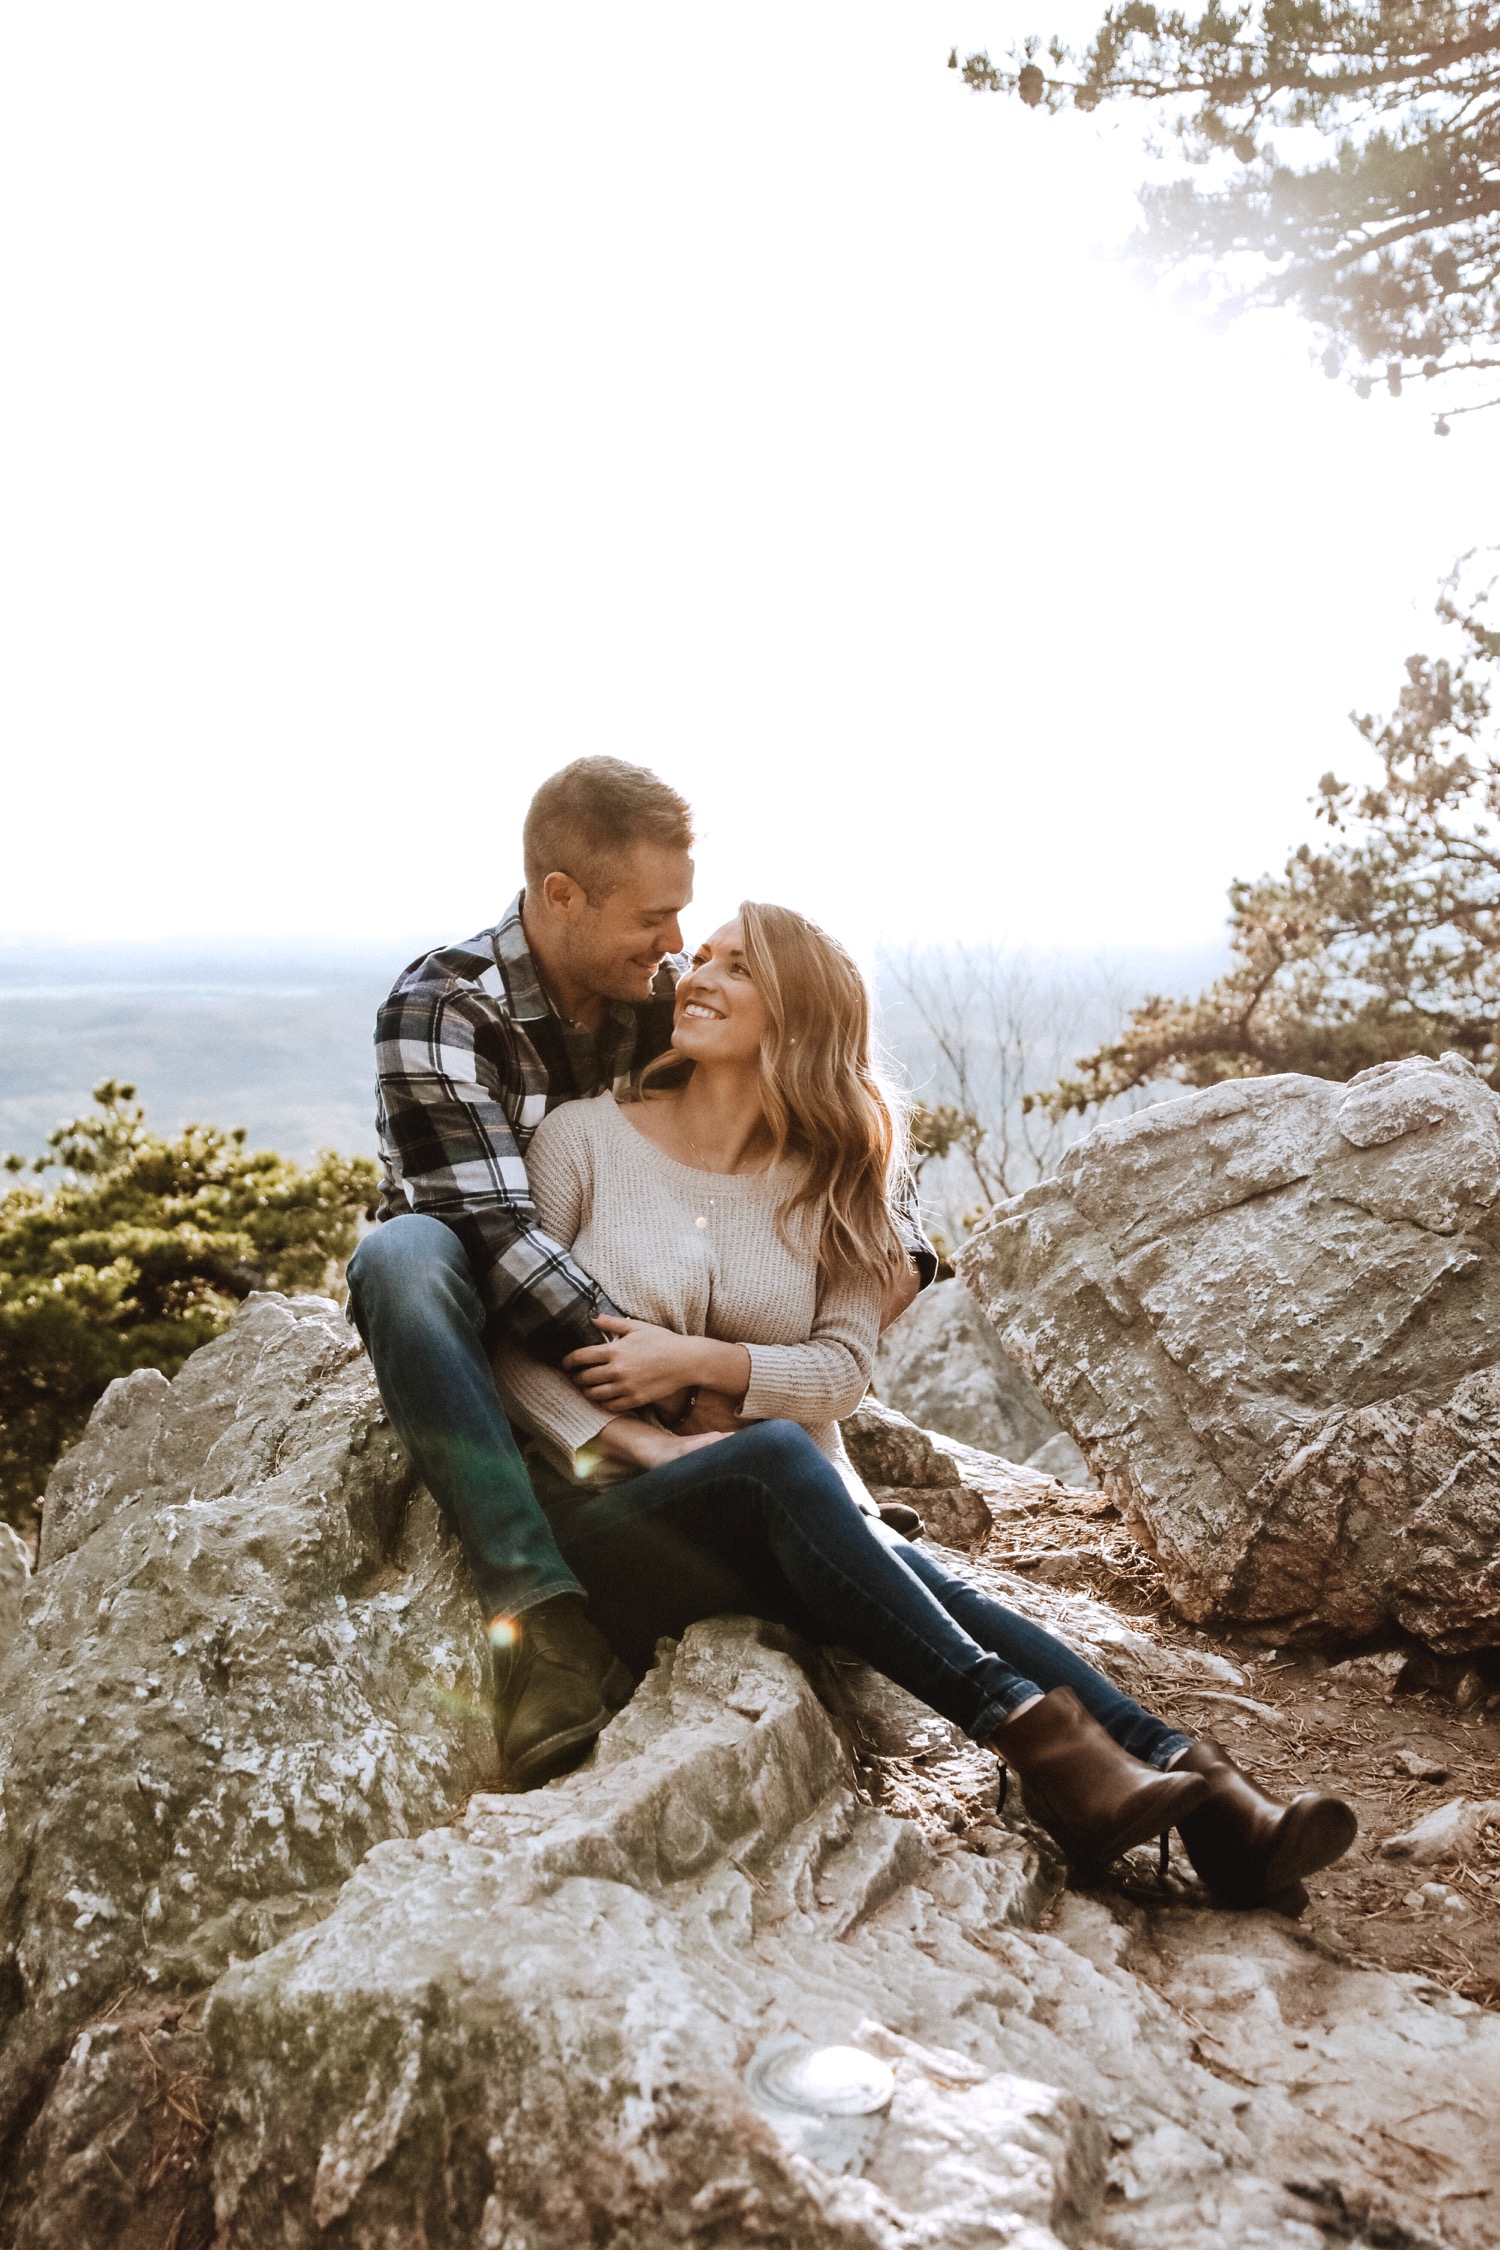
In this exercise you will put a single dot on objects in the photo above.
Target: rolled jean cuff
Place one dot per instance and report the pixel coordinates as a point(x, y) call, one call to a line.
point(533, 1597)
point(1173, 1741)
point(999, 1708)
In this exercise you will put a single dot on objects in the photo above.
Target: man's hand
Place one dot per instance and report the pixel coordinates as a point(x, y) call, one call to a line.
point(904, 1287)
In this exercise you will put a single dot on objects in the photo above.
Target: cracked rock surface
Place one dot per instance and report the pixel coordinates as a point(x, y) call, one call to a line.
point(281, 1968)
point(1269, 1315)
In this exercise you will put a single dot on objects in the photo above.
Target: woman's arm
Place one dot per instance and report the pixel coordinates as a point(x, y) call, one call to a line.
point(645, 1446)
point(639, 1364)
point(825, 1378)
point(818, 1381)
point(578, 1435)
point(535, 1395)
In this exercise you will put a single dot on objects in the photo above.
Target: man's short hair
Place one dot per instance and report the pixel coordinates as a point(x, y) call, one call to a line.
point(584, 820)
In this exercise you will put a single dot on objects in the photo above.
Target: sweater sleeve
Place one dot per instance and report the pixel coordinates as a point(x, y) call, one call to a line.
point(825, 1378)
point(543, 1401)
point(541, 1398)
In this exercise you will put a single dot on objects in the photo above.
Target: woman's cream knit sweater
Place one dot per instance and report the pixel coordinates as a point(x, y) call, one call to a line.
point(699, 1252)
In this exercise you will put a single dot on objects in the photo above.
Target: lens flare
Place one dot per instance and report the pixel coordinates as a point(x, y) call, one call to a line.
point(504, 1632)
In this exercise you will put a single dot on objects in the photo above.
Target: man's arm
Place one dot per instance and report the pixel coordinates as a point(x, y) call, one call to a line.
point(906, 1215)
point(442, 1062)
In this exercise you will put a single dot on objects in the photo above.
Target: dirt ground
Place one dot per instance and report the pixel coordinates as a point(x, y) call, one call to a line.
point(1299, 1722)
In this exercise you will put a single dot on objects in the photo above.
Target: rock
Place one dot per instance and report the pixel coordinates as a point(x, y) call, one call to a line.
point(889, 1450)
point(278, 1966)
point(113, 1462)
point(566, 2019)
point(943, 1365)
point(1371, 2054)
point(1062, 1457)
point(1369, 1675)
point(251, 1652)
point(15, 1577)
point(955, 1488)
point(411, 2060)
point(1449, 1831)
point(901, 1463)
point(1418, 1767)
point(1268, 1313)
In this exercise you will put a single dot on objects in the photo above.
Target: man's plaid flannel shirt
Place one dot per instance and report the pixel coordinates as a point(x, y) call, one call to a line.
point(470, 1057)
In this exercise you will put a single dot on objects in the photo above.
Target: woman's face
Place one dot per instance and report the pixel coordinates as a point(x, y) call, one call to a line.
point(720, 1015)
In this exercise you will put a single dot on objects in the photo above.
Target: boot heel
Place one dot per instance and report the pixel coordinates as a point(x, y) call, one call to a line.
point(1077, 1783)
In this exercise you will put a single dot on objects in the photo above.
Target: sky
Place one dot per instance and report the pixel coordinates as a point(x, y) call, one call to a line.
point(399, 403)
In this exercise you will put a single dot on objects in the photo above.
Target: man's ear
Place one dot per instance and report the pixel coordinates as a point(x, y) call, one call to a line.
point(561, 894)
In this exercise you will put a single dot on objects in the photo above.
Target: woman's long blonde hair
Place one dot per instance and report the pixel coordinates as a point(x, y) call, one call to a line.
point(828, 1107)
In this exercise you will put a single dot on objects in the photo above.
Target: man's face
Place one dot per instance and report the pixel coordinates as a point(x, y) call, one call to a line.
point(616, 943)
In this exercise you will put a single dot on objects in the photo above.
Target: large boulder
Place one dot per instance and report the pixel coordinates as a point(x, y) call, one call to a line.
point(943, 1365)
point(1270, 1315)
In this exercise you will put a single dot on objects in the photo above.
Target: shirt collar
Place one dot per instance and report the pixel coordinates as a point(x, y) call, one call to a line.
point(523, 987)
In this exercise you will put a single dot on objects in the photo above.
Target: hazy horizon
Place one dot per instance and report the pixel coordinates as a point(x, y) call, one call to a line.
point(277, 1037)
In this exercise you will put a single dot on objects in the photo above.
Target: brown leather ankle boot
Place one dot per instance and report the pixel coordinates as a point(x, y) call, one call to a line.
point(1250, 1849)
point(1079, 1785)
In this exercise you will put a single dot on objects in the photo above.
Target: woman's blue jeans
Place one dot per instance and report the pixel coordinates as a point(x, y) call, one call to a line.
point(761, 1523)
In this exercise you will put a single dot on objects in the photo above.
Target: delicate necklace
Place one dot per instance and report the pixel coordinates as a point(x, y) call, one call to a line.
point(702, 1218)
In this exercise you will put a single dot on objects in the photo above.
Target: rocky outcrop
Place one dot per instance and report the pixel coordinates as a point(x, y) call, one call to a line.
point(1270, 1315)
point(703, 1994)
point(943, 1365)
point(249, 1655)
point(280, 1968)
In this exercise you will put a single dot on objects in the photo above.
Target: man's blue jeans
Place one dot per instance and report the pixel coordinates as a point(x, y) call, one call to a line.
point(422, 1319)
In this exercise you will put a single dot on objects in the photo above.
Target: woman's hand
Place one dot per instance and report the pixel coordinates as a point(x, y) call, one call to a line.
point(710, 1410)
point(644, 1445)
point(640, 1365)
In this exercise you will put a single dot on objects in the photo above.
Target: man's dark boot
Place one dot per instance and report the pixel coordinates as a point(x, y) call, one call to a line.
point(1078, 1784)
point(558, 1683)
point(1250, 1849)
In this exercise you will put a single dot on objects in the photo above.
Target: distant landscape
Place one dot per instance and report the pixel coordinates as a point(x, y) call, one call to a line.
point(272, 1037)
point(276, 1037)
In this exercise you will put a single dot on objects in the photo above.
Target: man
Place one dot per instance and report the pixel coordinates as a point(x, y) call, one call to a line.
point(569, 993)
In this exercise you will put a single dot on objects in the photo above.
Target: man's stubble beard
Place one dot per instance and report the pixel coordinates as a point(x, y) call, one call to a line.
point(617, 980)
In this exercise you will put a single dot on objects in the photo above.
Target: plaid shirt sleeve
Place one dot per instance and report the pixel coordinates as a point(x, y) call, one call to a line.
point(906, 1212)
point(450, 1140)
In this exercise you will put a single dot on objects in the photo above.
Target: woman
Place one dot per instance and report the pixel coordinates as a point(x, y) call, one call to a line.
point(741, 1204)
